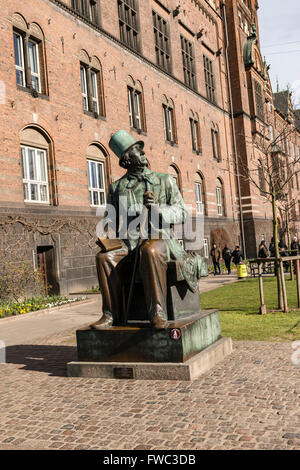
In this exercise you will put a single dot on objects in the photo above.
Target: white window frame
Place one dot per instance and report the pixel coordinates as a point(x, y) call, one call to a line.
point(199, 197)
point(134, 108)
point(219, 200)
point(271, 130)
point(37, 73)
point(21, 67)
point(205, 247)
point(38, 181)
point(214, 134)
point(168, 123)
point(84, 91)
point(96, 189)
point(94, 91)
point(287, 146)
point(194, 132)
point(136, 100)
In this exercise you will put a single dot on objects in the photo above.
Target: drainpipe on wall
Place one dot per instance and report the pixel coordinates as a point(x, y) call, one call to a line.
point(241, 219)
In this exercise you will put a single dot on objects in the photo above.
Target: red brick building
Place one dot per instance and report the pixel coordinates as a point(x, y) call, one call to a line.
point(187, 79)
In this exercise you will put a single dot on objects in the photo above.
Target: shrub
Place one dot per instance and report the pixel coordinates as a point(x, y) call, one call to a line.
point(18, 278)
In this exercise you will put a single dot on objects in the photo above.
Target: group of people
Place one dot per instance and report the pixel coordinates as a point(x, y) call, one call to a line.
point(227, 255)
point(264, 252)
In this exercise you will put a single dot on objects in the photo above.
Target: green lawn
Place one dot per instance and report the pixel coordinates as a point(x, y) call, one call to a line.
point(238, 304)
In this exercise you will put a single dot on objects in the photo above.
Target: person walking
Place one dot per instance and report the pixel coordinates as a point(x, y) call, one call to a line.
point(283, 254)
point(226, 255)
point(263, 253)
point(272, 248)
point(237, 256)
point(294, 246)
point(215, 254)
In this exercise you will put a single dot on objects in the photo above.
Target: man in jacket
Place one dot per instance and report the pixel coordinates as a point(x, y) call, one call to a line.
point(215, 254)
point(263, 253)
point(139, 188)
point(226, 255)
point(237, 255)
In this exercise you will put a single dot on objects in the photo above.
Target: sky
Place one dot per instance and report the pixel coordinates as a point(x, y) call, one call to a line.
point(279, 28)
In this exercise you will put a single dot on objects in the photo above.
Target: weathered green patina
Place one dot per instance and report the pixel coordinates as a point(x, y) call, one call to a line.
point(136, 342)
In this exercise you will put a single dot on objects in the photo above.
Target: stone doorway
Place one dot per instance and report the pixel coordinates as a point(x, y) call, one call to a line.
point(46, 264)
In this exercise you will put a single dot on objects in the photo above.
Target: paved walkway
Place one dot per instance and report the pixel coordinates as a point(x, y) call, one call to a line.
point(249, 401)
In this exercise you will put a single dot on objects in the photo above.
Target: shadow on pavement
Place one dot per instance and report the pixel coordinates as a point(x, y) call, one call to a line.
point(42, 358)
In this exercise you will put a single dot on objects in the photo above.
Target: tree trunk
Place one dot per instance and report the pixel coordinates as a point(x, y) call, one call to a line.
point(275, 238)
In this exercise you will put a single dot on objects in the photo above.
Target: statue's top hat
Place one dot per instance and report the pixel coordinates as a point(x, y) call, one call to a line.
point(121, 141)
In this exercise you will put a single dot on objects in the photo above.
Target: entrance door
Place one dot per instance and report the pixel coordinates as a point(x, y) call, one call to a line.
point(46, 264)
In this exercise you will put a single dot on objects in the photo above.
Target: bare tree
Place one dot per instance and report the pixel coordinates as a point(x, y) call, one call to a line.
point(272, 175)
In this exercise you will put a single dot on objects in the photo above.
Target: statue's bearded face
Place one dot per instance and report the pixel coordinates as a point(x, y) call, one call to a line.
point(134, 157)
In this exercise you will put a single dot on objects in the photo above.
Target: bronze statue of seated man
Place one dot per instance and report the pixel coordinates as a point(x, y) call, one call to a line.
point(159, 192)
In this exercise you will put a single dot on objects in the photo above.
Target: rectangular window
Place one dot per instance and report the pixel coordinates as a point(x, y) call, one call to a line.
point(293, 150)
point(92, 11)
point(271, 134)
point(188, 59)
point(168, 123)
point(96, 183)
point(94, 91)
point(259, 100)
point(215, 144)
point(162, 42)
point(33, 50)
point(199, 198)
point(135, 107)
point(205, 247)
point(86, 8)
point(19, 59)
point(209, 79)
point(194, 126)
point(287, 146)
point(219, 200)
point(35, 175)
point(84, 88)
point(129, 23)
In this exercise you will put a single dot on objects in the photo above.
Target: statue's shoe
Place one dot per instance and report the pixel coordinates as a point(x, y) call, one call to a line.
point(159, 323)
point(105, 321)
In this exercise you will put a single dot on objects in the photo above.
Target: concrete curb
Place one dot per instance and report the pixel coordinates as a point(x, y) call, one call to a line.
point(45, 310)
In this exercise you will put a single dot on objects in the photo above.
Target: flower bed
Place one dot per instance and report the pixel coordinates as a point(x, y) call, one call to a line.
point(32, 304)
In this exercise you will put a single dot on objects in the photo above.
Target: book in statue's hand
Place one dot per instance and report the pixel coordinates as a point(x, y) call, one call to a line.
point(109, 244)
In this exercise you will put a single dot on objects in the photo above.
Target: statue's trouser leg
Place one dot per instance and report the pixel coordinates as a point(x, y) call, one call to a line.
point(153, 271)
point(110, 269)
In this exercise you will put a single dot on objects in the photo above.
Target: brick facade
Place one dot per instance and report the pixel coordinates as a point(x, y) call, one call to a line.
point(55, 121)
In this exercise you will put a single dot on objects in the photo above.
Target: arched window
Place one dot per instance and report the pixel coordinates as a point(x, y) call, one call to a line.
point(97, 171)
point(137, 117)
point(220, 197)
point(29, 51)
point(215, 136)
point(195, 132)
point(175, 173)
point(37, 166)
point(92, 89)
point(169, 120)
point(200, 194)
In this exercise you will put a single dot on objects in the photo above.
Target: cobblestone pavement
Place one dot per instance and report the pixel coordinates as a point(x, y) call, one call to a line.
point(249, 401)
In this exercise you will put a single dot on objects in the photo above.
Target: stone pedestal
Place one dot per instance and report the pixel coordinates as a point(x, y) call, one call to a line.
point(138, 342)
point(184, 350)
point(189, 370)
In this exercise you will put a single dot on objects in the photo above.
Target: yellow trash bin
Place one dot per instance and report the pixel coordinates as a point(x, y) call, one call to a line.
point(242, 271)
